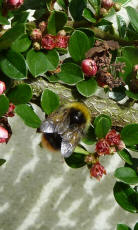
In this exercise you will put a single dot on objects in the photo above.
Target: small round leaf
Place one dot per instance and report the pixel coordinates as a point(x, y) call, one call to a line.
point(102, 125)
point(22, 44)
point(87, 87)
point(28, 115)
point(2, 161)
point(21, 94)
point(4, 105)
point(49, 101)
point(129, 134)
point(125, 155)
point(127, 175)
point(76, 160)
point(122, 227)
point(70, 74)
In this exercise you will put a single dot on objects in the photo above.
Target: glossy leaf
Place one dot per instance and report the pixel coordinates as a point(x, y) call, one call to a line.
point(52, 60)
point(4, 21)
point(126, 197)
point(133, 16)
point(78, 45)
point(96, 5)
point(122, 2)
point(129, 134)
point(49, 101)
point(56, 22)
point(76, 8)
point(118, 93)
point(2, 161)
point(125, 155)
point(76, 160)
point(22, 44)
point(102, 125)
point(87, 87)
point(4, 105)
point(127, 175)
point(131, 53)
point(136, 226)
point(13, 65)
point(70, 74)
point(121, 26)
point(88, 15)
point(11, 35)
point(20, 94)
point(89, 137)
point(28, 115)
point(132, 95)
point(122, 227)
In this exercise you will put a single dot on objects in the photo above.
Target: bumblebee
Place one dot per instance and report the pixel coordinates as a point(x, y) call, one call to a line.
point(63, 129)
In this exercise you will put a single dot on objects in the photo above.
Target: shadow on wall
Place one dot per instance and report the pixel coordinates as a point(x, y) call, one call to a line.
point(38, 191)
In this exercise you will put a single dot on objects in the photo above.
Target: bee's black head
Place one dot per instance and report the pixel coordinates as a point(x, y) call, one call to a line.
point(76, 117)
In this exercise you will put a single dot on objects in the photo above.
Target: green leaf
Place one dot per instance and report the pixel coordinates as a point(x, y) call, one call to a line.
point(13, 65)
point(102, 125)
point(56, 22)
point(37, 62)
point(49, 101)
point(4, 21)
point(22, 44)
point(127, 68)
point(117, 93)
point(76, 160)
point(131, 53)
point(87, 87)
point(88, 15)
point(76, 8)
point(20, 94)
point(133, 16)
point(81, 150)
point(78, 45)
point(126, 197)
point(136, 226)
point(28, 115)
point(125, 155)
point(122, 227)
point(122, 2)
point(89, 138)
point(126, 175)
point(70, 74)
point(129, 134)
point(121, 26)
point(2, 161)
point(90, 35)
point(62, 4)
point(4, 105)
point(20, 17)
point(52, 60)
point(132, 95)
point(11, 35)
point(96, 5)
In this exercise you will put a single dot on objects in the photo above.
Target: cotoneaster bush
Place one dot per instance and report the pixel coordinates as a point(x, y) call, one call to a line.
point(79, 51)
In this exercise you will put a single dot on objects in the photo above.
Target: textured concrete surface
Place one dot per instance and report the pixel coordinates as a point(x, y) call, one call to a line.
point(38, 191)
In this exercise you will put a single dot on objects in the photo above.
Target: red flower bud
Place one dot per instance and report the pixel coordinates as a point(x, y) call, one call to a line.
point(107, 4)
point(36, 35)
point(13, 4)
point(62, 41)
point(10, 112)
point(2, 87)
point(97, 171)
point(48, 42)
point(113, 138)
point(3, 135)
point(102, 147)
point(89, 67)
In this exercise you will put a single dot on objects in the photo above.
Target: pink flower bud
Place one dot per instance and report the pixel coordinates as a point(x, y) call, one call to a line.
point(107, 4)
point(121, 145)
point(97, 171)
point(62, 41)
point(14, 3)
point(102, 147)
point(89, 67)
point(48, 42)
point(2, 87)
point(36, 35)
point(42, 26)
point(113, 138)
point(10, 112)
point(3, 135)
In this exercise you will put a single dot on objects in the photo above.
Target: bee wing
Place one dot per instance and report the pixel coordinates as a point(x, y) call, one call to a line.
point(70, 140)
point(47, 126)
